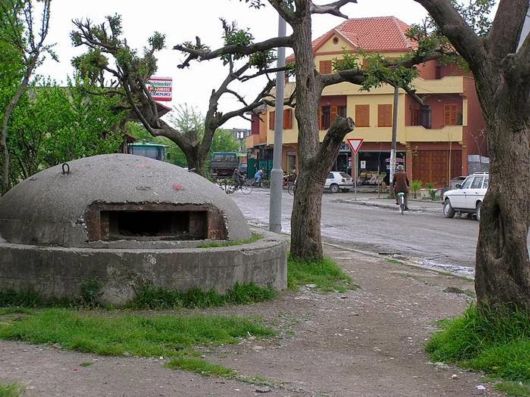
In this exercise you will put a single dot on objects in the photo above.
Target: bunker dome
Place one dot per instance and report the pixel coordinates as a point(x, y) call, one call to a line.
point(117, 197)
point(122, 222)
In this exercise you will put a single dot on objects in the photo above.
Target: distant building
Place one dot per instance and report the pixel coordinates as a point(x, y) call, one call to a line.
point(434, 139)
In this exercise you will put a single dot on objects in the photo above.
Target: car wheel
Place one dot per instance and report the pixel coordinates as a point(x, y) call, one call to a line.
point(334, 188)
point(477, 215)
point(448, 210)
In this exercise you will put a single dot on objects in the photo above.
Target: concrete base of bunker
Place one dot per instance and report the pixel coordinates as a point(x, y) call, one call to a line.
point(59, 272)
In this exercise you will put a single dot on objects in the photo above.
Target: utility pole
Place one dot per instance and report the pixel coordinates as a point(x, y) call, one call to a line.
point(275, 208)
point(394, 136)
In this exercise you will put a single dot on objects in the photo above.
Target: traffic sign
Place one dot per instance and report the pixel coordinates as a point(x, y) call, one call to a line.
point(355, 144)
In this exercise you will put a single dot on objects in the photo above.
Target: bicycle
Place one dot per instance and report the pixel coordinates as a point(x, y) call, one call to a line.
point(245, 188)
point(401, 202)
point(291, 188)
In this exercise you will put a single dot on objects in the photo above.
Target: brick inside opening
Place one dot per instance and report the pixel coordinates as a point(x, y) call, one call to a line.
point(171, 225)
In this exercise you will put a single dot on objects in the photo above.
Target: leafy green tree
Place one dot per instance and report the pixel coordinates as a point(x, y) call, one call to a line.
point(20, 33)
point(56, 124)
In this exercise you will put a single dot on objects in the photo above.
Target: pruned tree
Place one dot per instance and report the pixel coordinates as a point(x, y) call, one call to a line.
point(315, 158)
point(132, 72)
point(23, 34)
point(500, 62)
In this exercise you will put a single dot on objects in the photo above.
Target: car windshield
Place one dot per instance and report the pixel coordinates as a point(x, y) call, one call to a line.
point(486, 182)
point(467, 182)
point(344, 175)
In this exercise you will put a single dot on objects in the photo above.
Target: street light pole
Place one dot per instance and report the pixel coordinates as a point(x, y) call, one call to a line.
point(394, 136)
point(275, 212)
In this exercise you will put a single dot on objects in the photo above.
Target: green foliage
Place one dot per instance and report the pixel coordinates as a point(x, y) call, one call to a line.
point(494, 341)
point(91, 292)
point(54, 124)
point(224, 141)
point(237, 37)
point(125, 334)
point(11, 390)
point(199, 366)
point(515, 389)
point(152, 297)
point(262, 59)
point(415, 185)
point(349, 61)
point(326, 275)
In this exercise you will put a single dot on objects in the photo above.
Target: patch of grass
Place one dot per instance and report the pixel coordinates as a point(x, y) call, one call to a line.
point(515, 389)
point(151, 297)
point(11, 390)
point(215, 244)
point(326, 275)
point(125, 334)
point(496, 342)
point(85, 364)
point(393, 261)
point(200, 366)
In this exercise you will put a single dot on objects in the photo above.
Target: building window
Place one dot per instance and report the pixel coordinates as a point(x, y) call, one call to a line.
point(451, 115)
point(325, 67)
point(384, 115)
point(272, 119)
point(287, 119)
point(362, 115)
point(342, 111)
point(325, 117)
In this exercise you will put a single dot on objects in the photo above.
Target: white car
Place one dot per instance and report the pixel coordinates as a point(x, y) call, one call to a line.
point(338, 181)
point(468, 197)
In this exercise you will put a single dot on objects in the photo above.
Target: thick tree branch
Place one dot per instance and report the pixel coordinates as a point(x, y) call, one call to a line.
point(330, 146)
point(453, 26)
point(331, 8)
point(205, 54)
point(506, 29)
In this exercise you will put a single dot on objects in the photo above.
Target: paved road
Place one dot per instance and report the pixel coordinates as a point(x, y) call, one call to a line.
point(425, 236)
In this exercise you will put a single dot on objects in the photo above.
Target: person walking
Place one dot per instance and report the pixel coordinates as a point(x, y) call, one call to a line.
point(401, 184)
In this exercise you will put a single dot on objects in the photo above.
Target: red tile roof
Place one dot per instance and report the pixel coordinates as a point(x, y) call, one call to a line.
point(374, 34)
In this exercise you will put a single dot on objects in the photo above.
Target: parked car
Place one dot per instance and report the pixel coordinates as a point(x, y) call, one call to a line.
point(457, 180)
point(467, 197)
point(338, 181)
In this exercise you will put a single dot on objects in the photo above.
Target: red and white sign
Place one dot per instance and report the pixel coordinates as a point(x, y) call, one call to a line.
point(160, 88)
point(355, 144)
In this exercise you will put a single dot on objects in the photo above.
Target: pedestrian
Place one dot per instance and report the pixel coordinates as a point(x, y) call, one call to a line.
point(401, 184)
point(258, 177)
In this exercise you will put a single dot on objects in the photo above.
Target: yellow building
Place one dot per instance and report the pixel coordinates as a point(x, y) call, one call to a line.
point(435, 140)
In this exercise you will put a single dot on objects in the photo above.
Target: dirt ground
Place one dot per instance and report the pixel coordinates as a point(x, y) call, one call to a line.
point(367, 342)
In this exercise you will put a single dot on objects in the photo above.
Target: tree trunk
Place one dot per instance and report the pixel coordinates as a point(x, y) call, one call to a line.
point(305, 220)
point(196, 160)
point(502, 267)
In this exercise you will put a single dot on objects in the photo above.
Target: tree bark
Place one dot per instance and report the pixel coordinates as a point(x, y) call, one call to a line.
point(502, 262)
point(306, 241)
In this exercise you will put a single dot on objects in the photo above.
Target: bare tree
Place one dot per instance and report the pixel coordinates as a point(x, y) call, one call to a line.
point(27, 37)
point(133, 71)
point(502, 76)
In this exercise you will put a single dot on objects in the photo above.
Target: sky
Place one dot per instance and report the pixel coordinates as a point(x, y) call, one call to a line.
point(182, 20)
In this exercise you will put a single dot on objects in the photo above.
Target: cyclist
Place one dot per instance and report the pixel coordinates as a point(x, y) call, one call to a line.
point(238, 179)
point(401, 184)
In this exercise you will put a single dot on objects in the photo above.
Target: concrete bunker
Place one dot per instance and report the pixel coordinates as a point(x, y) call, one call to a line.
point(125, 221)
